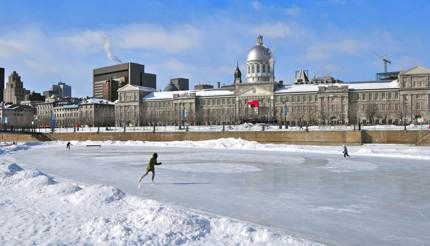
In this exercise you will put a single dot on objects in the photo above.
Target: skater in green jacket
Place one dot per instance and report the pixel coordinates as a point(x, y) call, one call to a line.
point(151, 167)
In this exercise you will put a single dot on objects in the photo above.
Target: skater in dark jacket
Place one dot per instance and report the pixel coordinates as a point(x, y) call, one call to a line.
point(68, 145)
point(345, 151)
point(151, 167)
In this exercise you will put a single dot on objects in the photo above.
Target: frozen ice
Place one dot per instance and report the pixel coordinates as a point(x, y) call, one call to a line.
point(379, 196)
point(212, 168)
point(60, 212)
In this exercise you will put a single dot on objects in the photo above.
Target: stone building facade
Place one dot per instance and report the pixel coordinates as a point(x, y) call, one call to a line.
point(14, 91)
point(16, 116)
point(44, 110)
point(91, 112)
point(401, 100)
point(94, 112)
point(66, 116)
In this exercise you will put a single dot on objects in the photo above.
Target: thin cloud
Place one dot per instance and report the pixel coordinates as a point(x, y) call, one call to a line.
point(84, 41)
point(174, 65)
point(256, 5)
point(137, 36)
point(148, 36)
point(326, 50)
point(293, 11)
point(280, 30)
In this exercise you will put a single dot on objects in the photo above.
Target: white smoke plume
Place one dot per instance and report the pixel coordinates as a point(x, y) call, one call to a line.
point(109, 53)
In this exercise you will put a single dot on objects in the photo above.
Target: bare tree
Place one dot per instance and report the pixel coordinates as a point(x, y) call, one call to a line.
point(371, 112)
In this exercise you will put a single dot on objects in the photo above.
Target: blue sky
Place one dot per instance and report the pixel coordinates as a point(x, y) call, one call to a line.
point(47, 41)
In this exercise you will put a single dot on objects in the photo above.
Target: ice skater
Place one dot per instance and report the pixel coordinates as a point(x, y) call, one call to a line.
point(345, 151)
point(150, 168)
point(68, 145)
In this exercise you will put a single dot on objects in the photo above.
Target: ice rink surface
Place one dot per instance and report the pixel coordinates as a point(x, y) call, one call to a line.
point(364, 200)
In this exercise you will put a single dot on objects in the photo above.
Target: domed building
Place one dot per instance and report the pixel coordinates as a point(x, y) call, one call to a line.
point(171, 87)
point(260, 63)
point(259, 98)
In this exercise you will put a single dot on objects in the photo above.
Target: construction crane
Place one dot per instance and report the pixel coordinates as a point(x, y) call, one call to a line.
point(384, 60)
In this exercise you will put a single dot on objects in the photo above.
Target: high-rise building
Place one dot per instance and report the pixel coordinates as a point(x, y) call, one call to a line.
point(203, 87)
point(181, 83)
point(1, 83)
point(64, 89)
point(110, 90)
point(14, 91)
point(61, 90)
point(121, 74)
point(178, 84)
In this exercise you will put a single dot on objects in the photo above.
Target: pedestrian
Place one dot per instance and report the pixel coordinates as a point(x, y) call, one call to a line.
point(68, 145)
point(345, 151)
point(150, 167)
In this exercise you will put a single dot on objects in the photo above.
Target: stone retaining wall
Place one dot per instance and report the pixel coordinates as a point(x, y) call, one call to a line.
point(312, 137)
point(317, 138)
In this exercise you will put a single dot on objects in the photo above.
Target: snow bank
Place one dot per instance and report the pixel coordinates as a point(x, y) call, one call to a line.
point(37, 209)
point(377, 150)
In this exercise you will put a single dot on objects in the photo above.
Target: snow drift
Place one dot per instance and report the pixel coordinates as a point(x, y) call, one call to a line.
point(35, 208)
point(377, 150)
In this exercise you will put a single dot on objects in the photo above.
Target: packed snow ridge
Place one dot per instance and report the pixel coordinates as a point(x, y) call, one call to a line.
point(377, 150)
point(35, 208)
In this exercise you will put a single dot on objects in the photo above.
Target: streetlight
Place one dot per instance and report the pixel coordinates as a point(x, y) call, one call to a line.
point(285, 115)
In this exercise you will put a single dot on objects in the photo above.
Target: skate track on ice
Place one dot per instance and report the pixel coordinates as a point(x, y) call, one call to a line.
point(365, 200)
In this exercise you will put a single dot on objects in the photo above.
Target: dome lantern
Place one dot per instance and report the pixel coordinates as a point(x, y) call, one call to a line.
point(259, 40)
point(260, 63)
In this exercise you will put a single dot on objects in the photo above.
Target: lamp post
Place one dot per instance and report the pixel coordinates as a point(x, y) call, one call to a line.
point(285, 115)
point(36, 122)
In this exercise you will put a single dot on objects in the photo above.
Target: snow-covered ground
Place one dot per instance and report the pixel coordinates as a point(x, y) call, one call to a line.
point(242, 127)
point(38, 209)
point(226, 191)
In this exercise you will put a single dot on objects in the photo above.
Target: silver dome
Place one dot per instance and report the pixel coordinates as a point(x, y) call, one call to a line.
point(259, 53)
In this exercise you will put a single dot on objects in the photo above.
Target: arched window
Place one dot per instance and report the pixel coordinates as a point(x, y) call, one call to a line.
point(258, 68)
point(264, 68)
point(253, 68)
point(268, 68)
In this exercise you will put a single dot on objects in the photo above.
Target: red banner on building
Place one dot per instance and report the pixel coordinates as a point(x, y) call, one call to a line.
point(253, 103)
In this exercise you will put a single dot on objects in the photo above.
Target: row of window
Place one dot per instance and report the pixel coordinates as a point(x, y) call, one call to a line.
point(255, 68)
point(378, 95)
point(414, 84)
point(162, 104)
point(379, 107)
point(64, 115)
point(416, 96)
point(218, 101)
point(128, 96)
point(297, 98)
